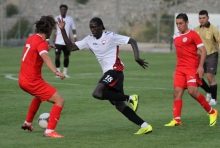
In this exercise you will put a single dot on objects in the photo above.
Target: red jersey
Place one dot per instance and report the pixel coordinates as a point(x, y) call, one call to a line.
point(186, 49)
point(31, 62)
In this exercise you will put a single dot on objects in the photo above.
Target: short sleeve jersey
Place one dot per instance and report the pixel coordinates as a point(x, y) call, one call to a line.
point(68, 26)
point(106, 49)
point(186, 49)
point(31, 62)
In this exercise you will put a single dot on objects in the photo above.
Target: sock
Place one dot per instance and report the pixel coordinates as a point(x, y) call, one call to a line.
point(144, 124)
point(65, 70)
point(112, 96)
point(27, 123)
point(177, 109)
point(33, 108)
point(213, 90)
point(201, 99)
point(66, 62)
point(132, 116)
point(48, 131)
point(54, 117)
point(205, 86)
point(58, 69)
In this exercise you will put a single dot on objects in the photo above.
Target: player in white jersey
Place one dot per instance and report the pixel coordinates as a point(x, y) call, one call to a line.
point(105, 46)
point(59, 42)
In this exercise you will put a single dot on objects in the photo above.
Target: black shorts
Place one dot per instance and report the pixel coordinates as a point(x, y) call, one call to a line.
point(211, 63)
point(60, 48)
point(113, 79)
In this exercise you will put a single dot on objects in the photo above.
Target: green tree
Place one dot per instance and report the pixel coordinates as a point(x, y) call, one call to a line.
point(11, 10)
point(82, 1)
point(24, 29)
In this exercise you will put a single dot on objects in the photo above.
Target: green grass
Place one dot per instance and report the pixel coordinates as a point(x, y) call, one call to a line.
point(89, 123)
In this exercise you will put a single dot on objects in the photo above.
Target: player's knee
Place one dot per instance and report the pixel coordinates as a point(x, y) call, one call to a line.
point(192, 92)
point(97, 95)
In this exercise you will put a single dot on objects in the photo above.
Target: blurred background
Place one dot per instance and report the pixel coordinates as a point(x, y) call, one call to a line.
point(147, 21)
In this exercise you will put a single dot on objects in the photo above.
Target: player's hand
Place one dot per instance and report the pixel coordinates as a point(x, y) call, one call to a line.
point(61, 75)
point(142, 63)
point(52, 46)
point(200, 71)
point(61, 23)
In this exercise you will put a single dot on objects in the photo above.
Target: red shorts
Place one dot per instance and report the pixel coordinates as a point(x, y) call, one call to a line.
point(39, 89)
point(186, 77)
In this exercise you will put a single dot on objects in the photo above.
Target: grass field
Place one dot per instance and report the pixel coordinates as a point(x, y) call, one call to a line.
point(89, 123)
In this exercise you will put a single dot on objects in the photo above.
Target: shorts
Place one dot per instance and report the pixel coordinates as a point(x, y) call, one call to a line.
point(60, 48)
point(39, 89)
point(211, 63)
point(186, 77)
point(113, 79)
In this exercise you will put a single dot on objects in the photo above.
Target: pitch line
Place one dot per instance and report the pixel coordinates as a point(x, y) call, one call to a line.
point(10, 76)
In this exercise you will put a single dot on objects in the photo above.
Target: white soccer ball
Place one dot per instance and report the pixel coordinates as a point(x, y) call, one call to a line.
point(43, 120)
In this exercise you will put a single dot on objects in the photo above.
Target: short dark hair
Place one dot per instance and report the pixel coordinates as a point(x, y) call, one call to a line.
point(182, 16)
point(45, 25)
point(63, 6)
point(98, 21)
point(204, 12)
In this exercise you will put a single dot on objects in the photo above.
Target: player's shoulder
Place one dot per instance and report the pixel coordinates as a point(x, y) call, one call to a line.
point(177, 34)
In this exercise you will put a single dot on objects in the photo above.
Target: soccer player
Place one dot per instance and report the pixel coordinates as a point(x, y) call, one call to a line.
point(189, 70)
point(59, 43)
point(210, 36)
point(30, 77)
point(105, 46)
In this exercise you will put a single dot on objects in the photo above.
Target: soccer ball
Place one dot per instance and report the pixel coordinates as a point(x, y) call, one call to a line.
point(43, 120)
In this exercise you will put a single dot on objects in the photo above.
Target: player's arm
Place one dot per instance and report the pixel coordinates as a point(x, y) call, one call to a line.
point(70, 46)
point(134, 46)
point(217, 36)
point(203, 54)
point(47, 60)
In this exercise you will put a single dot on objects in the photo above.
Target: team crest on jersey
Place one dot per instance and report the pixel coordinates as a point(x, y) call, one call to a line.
point(103, 42)
point(184, 39)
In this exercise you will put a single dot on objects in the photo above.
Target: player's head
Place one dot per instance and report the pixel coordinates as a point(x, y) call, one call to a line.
point(96, 26)
point(203, 17)
point(45, 25)
point(182, 22)
point(63, 10)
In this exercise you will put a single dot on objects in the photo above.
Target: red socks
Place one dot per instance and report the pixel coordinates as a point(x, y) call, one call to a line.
point(177, 108)
point(201, 99)
point(54, 117)
point(33, 108)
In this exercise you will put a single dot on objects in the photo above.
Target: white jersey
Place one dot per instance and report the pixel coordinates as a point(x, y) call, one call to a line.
point(69, 26)
point(106, 49)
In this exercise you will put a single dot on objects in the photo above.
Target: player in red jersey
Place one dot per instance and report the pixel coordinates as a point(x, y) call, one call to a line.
point(30, 77)
point(189, 70)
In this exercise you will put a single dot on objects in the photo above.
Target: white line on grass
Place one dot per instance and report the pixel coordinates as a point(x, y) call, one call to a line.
point(10, 76)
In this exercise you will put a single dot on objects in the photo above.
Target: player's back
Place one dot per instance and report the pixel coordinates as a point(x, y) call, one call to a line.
point(31, 62)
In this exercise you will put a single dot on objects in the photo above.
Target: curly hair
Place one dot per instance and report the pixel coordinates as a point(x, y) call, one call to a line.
point(45, 25)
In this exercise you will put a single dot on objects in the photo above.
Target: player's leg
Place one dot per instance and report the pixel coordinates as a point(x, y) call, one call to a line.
point(66, 61)
point(113, 79)
point(193, 81)
point(57, 56)
point(179, 87)
point(33, 108)
point(34, 105)
point(55, 112)
point(145, 128)
point(212, 61)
